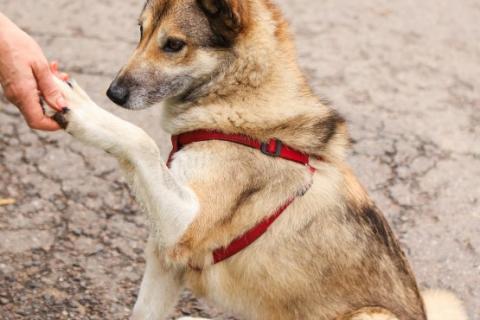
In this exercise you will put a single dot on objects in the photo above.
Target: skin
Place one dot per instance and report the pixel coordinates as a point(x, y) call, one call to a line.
point(25, 75)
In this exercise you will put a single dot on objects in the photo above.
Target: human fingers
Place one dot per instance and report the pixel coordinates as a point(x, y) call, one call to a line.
point(33, 113)
point(48, 88)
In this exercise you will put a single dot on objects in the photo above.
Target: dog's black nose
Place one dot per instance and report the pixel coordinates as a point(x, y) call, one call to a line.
point(118, 93)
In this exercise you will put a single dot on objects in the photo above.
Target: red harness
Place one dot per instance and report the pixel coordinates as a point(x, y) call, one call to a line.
point(273, 148)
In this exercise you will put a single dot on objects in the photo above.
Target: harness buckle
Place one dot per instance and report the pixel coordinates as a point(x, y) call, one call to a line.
point(265, 148)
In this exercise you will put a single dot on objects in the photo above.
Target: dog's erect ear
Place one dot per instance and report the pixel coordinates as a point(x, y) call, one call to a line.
point(228, 18)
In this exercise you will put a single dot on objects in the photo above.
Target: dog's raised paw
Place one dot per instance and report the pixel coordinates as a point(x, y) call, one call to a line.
point(72, 92)
point(61, 119)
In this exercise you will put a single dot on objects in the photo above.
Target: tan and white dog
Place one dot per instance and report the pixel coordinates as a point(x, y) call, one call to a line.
point(230, 66)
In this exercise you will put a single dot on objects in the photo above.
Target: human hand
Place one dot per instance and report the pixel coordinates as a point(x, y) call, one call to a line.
point(25, 75)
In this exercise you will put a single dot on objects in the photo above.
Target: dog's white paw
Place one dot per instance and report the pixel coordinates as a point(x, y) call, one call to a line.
point(81, 113)
point(91, 124)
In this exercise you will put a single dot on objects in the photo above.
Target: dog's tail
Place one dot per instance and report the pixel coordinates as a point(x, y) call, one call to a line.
point(443, 305)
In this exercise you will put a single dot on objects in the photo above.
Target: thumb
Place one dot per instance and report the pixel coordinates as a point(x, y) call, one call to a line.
point(47, 87)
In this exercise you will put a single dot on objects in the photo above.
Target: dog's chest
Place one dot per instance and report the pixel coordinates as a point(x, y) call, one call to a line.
point(192, 164)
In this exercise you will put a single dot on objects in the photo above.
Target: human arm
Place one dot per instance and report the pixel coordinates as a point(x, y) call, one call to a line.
point(25, 75)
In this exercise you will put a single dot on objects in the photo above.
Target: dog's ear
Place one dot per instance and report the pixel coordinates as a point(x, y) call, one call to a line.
point(228, 18)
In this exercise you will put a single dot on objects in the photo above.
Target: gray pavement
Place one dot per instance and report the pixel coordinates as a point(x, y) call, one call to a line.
point(406, 74)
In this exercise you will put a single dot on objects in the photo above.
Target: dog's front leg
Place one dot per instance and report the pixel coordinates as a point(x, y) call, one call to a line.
point(170, 204)
point(172, 207)
point(159, 289)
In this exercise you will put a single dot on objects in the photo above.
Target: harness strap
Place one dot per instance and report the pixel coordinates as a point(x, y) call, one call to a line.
point(273, 148)
point(248, 237)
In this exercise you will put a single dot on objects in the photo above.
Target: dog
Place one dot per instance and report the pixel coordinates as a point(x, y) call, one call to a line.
point(257, 210)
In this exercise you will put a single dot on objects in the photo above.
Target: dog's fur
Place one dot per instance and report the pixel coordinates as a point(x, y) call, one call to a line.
point(331, 255)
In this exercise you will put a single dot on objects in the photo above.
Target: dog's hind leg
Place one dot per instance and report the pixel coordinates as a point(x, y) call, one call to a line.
point(170, 204)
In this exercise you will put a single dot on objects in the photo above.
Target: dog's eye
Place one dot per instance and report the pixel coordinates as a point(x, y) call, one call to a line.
point(141, 32)
point(174, 45)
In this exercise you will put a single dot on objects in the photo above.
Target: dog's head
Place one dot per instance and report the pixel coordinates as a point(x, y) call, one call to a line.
point(183, 44)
